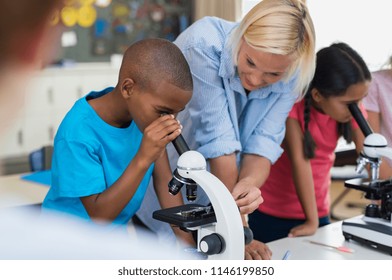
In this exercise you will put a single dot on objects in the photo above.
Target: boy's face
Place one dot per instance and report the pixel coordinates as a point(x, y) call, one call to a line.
point(147, 106)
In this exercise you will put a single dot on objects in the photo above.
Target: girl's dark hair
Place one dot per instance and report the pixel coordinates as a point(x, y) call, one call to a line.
point(337, 68)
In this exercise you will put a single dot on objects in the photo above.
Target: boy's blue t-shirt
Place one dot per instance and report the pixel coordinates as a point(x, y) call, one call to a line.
point(89, 156)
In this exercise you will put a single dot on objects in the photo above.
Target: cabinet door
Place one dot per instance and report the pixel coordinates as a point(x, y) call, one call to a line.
point(98, 80)
point(11, 122)
point(12, 137)
point(66, 89)
point(38, 113)
point(37, 132)
point(39, 98)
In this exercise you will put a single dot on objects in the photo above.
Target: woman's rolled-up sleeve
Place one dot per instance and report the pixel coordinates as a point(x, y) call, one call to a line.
point(269, 133)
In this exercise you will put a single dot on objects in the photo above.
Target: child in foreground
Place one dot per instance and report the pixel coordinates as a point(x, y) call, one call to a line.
point(113, 141)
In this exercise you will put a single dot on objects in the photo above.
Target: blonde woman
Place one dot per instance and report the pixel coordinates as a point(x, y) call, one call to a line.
point(246, 77)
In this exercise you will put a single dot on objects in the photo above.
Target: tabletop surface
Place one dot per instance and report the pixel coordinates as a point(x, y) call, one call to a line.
point(15, 191)
point(302, 249)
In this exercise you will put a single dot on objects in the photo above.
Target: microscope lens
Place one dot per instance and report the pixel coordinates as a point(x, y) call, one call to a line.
point(174, 186)
point(191, 192)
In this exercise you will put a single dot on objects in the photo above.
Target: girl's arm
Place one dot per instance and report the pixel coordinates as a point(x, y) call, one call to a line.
point(303, 178)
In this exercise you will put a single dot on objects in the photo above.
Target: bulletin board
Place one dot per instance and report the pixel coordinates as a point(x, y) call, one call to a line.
point(124, 22)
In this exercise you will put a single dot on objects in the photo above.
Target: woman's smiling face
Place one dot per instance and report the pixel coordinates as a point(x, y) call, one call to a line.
point(259, 69)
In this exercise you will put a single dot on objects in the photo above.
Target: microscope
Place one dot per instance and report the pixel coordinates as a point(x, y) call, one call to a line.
point(374, 228)
point(220, 233)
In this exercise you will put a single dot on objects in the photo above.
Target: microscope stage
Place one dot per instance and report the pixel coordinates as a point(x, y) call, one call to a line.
point(374, 234)
point(186, 216)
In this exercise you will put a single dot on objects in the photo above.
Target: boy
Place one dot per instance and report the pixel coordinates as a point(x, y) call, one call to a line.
point(111, 142)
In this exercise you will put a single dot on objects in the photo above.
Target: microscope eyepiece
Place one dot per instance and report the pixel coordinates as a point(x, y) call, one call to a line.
point(180, 145)
point(360, 119)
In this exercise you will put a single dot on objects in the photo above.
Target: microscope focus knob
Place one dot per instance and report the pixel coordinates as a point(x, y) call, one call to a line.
point(248, 234)
point(212, 244)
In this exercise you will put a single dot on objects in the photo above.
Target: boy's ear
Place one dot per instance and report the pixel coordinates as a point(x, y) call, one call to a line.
point(316, 95)
point(127, 87)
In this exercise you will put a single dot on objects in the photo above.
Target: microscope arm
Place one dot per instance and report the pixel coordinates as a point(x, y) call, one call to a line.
point(375, 146)
point(223, 239)
point(192, 165)
point(383, 152)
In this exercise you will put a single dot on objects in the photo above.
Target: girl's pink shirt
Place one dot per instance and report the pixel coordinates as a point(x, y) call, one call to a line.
point(280, 196)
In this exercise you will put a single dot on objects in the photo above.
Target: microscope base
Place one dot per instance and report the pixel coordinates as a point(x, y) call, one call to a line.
point(372, 232)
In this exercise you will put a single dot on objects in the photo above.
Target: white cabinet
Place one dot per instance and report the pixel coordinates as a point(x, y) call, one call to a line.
point(11, 137)
point(97, 81)
point(50, 95)
point(37, 113)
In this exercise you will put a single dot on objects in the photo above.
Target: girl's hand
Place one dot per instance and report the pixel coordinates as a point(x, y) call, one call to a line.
point(308, 228)
point(157, 135)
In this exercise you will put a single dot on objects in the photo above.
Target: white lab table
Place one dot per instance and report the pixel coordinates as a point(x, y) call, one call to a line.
point(14, 191)
point(301, 249)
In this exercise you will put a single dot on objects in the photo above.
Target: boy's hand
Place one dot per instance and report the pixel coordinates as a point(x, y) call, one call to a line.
point(257, 250)
point(157, 135)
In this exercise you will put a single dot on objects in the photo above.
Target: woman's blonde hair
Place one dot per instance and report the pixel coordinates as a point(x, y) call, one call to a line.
point(281, 27)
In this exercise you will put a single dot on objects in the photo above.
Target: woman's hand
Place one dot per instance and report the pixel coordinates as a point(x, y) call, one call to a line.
point(247, 196)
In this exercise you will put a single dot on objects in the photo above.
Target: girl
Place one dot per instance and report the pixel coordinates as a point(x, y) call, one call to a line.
point(296, 194)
